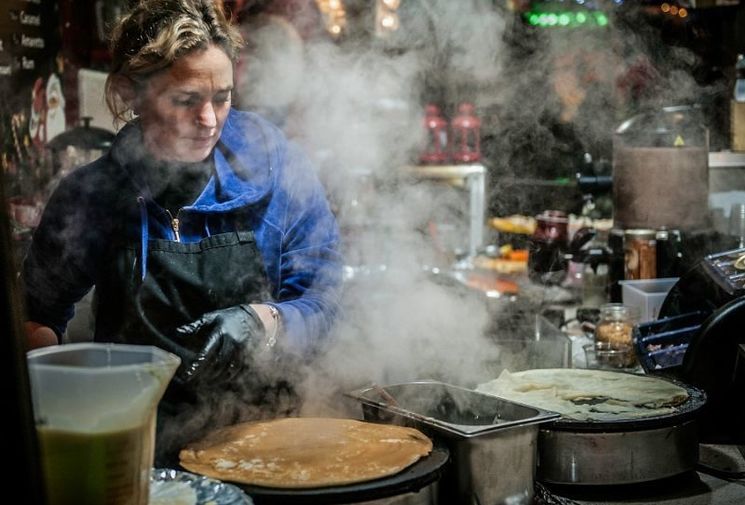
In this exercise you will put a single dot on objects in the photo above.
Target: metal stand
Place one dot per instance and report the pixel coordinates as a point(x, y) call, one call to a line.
point(473, 178)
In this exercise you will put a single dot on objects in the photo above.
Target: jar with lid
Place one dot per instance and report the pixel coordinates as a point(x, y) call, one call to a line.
point(614, 335)
point(436, 147)
point(465, 132)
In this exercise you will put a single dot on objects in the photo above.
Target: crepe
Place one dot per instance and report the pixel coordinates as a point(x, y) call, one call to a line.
point(589, 395)
point(305, 452)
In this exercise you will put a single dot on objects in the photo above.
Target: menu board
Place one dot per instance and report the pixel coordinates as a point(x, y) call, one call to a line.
point(29, 41)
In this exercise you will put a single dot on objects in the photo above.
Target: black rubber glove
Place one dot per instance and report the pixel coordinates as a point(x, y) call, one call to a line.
point(225, 339)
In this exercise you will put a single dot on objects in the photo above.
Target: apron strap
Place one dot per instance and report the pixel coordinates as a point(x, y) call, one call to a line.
point(143, 235)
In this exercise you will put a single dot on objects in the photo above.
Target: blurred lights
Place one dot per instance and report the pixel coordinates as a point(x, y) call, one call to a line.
point(334, 16)
point(386, 17)
point(389, 21)
point(566, 19)
point(674, 10)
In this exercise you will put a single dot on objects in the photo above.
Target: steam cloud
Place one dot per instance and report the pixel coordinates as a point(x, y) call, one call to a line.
point(357, 108)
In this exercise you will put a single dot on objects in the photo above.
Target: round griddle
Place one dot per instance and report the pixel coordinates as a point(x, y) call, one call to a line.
point(425, 471)
point(622, 451)
point(681, 413)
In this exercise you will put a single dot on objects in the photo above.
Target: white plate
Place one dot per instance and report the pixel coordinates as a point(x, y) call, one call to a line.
point(173, 487)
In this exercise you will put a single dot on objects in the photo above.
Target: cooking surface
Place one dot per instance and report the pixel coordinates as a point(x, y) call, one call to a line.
point(420, 474)
point(692, 488)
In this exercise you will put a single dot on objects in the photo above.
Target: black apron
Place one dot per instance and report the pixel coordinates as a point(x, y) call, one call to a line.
point(181, 282)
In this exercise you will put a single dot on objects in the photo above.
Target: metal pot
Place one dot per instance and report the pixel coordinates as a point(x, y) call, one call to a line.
point(78, 146)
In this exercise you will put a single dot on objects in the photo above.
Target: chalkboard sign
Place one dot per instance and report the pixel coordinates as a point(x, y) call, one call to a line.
point(29, 42)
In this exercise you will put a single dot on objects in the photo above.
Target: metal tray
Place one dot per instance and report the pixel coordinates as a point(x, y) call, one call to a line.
point(447, 409)
point(492, 441)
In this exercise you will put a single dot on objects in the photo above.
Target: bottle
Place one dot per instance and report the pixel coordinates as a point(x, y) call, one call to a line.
point(436, 148)
point(739, 93)
point(465, 135)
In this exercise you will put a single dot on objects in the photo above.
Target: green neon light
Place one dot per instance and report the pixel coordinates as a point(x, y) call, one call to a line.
point(547, 19)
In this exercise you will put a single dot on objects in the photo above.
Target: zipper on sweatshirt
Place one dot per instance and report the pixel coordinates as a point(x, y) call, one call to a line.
point(175, 224)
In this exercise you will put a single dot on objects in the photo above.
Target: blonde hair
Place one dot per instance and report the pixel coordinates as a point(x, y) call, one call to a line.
point(155, 33)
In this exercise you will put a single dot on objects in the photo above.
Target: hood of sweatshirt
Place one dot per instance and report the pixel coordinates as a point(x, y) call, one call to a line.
point(246, 159)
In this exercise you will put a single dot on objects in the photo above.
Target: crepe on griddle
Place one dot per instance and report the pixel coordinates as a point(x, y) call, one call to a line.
point(305, 452)
point(589, 395)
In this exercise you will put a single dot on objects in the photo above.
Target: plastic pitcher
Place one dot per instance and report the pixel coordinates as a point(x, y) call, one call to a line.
point(95, 409)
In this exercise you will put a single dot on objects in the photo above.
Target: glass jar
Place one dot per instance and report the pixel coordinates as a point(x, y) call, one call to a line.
point(548, 247)
point(614, 332)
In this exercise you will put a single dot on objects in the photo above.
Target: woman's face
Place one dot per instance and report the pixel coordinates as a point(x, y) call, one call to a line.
point(182, 109)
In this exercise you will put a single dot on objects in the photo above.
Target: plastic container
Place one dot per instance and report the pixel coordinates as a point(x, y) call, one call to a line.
point(95, 409)
point(647, 295)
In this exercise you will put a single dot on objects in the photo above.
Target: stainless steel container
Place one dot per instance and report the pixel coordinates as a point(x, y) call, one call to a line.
point(492, 441)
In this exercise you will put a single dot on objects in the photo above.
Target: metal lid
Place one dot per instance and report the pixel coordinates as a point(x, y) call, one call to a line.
point(85, 137)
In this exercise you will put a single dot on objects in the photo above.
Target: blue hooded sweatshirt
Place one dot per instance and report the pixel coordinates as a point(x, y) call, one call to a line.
point(268, 180)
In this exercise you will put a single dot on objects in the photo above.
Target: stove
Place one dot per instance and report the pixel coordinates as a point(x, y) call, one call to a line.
point(718, 480)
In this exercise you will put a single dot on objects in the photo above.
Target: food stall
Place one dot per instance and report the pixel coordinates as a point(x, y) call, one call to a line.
point(542, 208)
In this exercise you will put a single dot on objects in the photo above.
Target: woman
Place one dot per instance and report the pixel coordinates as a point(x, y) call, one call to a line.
point(203, 230)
